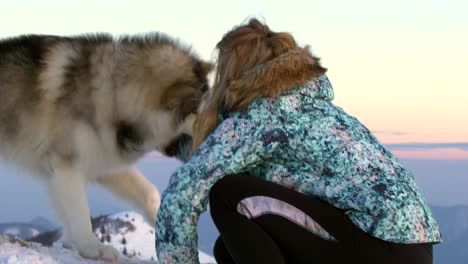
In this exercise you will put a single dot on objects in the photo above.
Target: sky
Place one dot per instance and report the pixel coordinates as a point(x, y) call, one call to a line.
point(399, 66)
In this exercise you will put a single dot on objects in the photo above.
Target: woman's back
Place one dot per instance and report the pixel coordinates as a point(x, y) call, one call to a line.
point(326, 153)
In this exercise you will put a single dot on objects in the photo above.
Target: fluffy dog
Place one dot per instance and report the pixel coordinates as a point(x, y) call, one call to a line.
point(83, 109)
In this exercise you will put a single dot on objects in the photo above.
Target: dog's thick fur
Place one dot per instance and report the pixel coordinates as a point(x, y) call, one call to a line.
point(83, 109)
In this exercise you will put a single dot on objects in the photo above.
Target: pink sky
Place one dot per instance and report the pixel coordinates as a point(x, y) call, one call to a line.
point(398, 66)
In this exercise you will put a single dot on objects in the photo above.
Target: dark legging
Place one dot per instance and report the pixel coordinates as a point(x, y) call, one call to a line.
point(273, 239)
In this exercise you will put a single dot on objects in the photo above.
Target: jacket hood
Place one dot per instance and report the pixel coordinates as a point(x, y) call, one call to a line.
point(294, 71)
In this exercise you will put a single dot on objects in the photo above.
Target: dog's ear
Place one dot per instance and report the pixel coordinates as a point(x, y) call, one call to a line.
point(206, 67)
point(201, 70)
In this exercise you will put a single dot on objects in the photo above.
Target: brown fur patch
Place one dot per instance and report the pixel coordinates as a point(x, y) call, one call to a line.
point(184, 96)
point(274, 78)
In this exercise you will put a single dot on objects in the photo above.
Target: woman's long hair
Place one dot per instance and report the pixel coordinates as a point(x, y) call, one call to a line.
point(243, 49)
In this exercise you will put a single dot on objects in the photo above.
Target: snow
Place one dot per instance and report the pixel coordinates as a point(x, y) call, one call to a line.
point(37, 254)
point(126, 231)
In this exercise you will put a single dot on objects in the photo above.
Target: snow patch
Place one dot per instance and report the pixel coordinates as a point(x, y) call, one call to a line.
point(128, 232)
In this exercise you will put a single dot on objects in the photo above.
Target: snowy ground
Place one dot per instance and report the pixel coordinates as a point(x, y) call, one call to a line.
point(126, 231)
point(37, 254)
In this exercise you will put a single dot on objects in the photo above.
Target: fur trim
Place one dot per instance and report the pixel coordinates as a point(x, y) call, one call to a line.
point(273, 78)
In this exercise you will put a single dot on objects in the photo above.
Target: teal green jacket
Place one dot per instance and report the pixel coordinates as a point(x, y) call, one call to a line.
point(302, 141)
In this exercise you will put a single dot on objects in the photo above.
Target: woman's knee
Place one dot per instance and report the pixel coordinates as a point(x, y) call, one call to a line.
point(227, 192)
point(226, 187)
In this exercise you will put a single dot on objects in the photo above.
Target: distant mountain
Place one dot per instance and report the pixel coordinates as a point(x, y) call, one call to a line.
point(453, 224)
point(26, 230)
point(43, 223)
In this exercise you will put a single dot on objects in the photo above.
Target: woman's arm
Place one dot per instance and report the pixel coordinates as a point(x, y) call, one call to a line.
point(235, 146)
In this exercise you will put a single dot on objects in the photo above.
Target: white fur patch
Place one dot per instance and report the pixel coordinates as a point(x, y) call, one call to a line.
point(187, 125)
point(58, 57)
point(162, 127)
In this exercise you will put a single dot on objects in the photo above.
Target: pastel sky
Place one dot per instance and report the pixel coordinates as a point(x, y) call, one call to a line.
point(399, 66)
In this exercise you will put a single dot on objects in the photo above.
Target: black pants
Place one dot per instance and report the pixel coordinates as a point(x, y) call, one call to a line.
point(273, 239)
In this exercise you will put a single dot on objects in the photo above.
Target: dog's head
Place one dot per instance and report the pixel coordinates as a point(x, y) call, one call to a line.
point(159, 98)
point(183, 99)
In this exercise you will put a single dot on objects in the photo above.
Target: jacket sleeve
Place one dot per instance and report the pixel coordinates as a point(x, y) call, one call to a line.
point(235, 146)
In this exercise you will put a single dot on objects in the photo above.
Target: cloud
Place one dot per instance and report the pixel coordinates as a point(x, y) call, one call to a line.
point(428, 146)
point(391, 133)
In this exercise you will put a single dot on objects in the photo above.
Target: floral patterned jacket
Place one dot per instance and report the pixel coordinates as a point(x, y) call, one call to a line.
point(303, 141)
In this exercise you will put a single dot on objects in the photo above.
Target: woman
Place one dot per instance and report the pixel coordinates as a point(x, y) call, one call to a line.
point(290, 177)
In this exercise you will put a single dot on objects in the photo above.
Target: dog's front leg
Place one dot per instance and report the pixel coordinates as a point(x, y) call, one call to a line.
point(67, 188)
point(131, 185)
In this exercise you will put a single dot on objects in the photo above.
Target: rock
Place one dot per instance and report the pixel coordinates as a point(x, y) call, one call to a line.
point(4, 239)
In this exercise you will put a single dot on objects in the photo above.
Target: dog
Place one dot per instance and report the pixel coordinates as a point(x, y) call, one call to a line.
point(83, 109)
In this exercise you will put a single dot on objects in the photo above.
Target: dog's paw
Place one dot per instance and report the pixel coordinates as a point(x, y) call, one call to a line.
point(97, 250)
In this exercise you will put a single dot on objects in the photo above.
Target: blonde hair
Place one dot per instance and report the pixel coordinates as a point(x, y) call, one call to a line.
point(240, 50)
